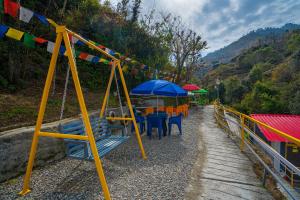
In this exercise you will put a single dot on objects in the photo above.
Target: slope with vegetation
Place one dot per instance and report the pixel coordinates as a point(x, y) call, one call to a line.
point(263, 79)
point(254, 38)
point(148, 39)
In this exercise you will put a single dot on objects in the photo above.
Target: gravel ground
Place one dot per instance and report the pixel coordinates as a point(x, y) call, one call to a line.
point(164, 175)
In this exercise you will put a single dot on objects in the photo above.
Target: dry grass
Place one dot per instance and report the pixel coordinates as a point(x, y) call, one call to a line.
point(21, 109)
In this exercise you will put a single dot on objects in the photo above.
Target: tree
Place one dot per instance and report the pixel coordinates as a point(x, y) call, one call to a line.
point(122, 8)
point(255, 74)
point(135, 10)
point(185, 44)
point(233, 90)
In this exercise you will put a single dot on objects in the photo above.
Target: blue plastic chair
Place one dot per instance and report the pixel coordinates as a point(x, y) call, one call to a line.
point(140, 120)
point(175, 120)
point(154, 122)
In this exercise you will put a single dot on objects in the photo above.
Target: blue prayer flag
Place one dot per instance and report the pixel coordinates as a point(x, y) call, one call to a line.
point(42, 18)
point(62, 50)
point(3, 30)
point(80, 43)
point(95, 59)
point(111, 52)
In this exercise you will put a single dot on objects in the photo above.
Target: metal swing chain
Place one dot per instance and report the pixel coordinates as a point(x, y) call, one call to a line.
point(120, 101)
point(66, 86)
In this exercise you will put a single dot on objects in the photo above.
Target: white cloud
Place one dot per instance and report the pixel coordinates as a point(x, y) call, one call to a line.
point(221, 22)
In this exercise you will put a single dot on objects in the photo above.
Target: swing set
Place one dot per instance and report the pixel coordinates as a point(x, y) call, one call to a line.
point(92, 138)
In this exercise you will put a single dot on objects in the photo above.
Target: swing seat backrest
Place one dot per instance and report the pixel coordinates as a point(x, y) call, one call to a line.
point(100, 128)
point(105, 141)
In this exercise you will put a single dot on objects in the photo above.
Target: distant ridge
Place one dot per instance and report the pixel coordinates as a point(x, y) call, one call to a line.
point(253, 38)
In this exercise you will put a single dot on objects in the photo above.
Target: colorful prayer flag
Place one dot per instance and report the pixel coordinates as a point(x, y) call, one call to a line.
point(146, 67)
point(29, 40)
point(101, 47)
point(89, 58)
point(106, 62)
point(128, 59)
point(42, 18)
point(79, 42)
point(125, 68)
point(95, 59)
point(1, 7)
point(52, 22)
point(62, 50)
point(101, 60)
point(11, 8)
point(25, 14)
point(50, 47)
point(40, 40)
point(77, 53)
point(83, 55)
point(3, 30)
point(14, 34)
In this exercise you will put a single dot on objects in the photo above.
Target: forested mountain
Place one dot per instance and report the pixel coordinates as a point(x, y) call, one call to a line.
point(252, 39)
point(262, 79)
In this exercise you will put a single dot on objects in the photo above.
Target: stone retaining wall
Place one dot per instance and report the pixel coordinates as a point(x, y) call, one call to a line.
point(15, 147)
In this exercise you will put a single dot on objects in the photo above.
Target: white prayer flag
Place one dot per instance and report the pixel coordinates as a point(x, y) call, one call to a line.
point(107, 50)
point(25, 14)
point(50, 47)
point(74, 40)
point(89, 58)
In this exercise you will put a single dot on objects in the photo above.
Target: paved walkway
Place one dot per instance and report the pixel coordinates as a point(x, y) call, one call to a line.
point(222, 171)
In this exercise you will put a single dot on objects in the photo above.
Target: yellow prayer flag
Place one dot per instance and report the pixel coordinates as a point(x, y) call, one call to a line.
point(14, 34)
point(125, 68)
point(53, 23)
point(101, 60)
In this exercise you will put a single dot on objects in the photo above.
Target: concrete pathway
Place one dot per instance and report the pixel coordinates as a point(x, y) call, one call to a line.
point(222, 171)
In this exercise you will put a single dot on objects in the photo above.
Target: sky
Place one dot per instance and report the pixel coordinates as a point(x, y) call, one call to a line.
point(221, 22)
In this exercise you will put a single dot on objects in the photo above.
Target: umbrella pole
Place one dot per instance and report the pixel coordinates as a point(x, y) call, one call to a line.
point(157, 105)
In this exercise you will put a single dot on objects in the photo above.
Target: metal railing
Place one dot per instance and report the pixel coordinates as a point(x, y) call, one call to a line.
point(244, 130)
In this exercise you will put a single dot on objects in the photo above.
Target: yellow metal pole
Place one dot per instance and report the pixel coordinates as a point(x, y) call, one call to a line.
point(137, 132)
point(242, 132)
point(65, 136)
point(112, 73)
point(119, 118)
point(40, 118)
point(85, 116)
point(93, 46)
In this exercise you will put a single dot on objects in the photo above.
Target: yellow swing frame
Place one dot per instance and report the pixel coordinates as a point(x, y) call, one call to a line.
point(62, 35)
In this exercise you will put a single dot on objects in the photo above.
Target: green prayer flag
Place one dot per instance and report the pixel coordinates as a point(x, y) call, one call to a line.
point(1, 7)
point(106, 62)
point(29, 40)
point(77, 53)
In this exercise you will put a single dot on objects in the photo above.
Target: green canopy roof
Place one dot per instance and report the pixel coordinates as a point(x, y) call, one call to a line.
point(201, 91)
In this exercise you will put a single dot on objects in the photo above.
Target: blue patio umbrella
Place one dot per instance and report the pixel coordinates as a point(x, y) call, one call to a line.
point(159, 88)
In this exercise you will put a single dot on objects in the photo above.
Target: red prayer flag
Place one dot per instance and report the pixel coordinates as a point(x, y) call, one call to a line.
point(40, 40)
point(11, 8)
point(83, 55)
point(101, 47)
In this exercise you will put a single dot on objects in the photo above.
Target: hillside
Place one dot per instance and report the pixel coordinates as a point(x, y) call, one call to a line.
point(24, 66)
point(263, 79)
point(254, 38)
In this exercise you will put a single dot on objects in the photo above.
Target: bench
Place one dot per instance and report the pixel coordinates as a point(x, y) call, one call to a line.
point(102, 130)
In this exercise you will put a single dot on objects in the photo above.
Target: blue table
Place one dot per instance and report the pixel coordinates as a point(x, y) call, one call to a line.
point(157, 120)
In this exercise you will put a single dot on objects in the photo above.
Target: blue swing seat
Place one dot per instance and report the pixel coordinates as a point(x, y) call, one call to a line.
point(105, 141)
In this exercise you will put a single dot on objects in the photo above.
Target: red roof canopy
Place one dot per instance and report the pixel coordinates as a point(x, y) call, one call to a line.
point(289, 124)
point(191, 87)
